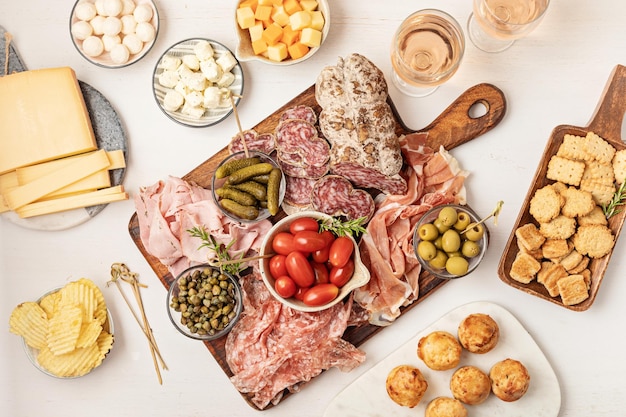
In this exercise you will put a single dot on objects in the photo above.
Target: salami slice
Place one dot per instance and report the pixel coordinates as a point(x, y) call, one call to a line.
point(300, 112)
point(264, 142)
point(303, 171)
point(298, 192)
point(364, 177)
point(334, 195)
point(294, 136)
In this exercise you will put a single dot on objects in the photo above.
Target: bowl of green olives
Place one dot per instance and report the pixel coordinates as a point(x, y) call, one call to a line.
point(449, 241)
point(204, 303)
point(248, 186)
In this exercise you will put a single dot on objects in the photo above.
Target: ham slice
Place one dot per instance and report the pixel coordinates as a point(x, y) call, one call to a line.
point(434, 178)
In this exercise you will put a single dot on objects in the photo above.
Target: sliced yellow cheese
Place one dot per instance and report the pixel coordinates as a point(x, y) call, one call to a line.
point(8, 180)
point(62, 177)
point(42, 117)
point(104, 196)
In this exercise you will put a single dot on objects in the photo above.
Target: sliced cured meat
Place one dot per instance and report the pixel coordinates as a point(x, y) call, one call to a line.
point(274, 348)
point(365, 177)
point(303, 171)
point(301, 112)
point(335, 196)
point(264, 142)
point(299, 137)
point(298, 191)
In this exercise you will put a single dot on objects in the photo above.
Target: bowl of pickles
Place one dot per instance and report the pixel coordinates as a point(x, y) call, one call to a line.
point(449, 241)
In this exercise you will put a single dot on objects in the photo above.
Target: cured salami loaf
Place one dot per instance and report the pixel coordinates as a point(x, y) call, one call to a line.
point(335, 196)
point(358, 122)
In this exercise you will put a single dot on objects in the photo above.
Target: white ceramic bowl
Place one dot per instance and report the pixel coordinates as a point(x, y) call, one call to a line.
point(107, 58)
point(210, 116)
point(245, 52)
point(360, 277)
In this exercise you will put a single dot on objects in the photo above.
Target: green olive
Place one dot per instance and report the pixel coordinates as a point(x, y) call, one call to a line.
point(439, 261)
point(475, 232)
point(457, 265)
point(448, 216)
point(455, 253)
point(451, 241)
point(440, 226)
point(426, 250)
point(462, 221)
point(470, 249)
point(428, 231)
point(438, 243)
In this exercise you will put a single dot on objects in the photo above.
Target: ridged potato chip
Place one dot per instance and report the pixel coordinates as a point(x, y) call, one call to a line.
point(30, 321)
point(64, 328)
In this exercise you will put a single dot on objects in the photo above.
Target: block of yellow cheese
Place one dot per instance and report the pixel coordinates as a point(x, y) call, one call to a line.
point(42, 117)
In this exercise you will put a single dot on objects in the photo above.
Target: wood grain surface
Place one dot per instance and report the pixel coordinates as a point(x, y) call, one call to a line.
point(605, 122)
point(452, 128)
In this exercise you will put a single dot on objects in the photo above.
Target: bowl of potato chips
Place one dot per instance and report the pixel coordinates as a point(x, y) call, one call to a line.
point(68, 331)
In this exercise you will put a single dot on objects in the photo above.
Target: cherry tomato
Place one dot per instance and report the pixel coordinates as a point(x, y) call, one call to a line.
point(285, 287)
point(277, 265)
point(299, 269)
point(308, 241)
point(340, 251)
point(283, 243)
point(304, 223)
point(322, 254)
point(299, 295)
point(321, 273)
point(320, 294)
point(341, 275)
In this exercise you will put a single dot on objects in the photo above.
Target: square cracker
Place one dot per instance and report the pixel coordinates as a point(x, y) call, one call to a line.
point(555, 248)
point(524, 268)
point(619, 166)
point(573, 289)
point(565, 170)
point(549, 276)
point(529, 237)
point(572, 148)
point(598, 148)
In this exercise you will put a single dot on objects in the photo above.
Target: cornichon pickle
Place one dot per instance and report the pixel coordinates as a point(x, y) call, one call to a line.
point(236, 195)
point(239, 210)
point(273, 190)
point(259, 191)
point(246, 173)
point(235, 165)
point(261, 179)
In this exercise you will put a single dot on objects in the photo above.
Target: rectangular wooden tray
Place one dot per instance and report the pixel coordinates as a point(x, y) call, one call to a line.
point(452, 128)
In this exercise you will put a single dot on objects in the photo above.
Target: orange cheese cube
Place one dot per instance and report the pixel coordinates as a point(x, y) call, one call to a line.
point(277, 2)
point(317, 20)
point(249, 3)
point(263, 12)
point(245, 17)
point(311, 37)
point(297, 50)
point(280, 16)
point(277, 52)
point(292, 6)
point(300, 20)
point(256, 31)
point(272, 34)
point(290, 36)
point(309, 5)
point(259, 46)
point(266, 2)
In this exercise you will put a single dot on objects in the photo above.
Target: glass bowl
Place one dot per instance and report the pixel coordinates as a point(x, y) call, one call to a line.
point(122, 39)
point(245, 52)
point(360, 277)
point(206, 291)
point(177, 78)
point(218, 183)
point(472, 262)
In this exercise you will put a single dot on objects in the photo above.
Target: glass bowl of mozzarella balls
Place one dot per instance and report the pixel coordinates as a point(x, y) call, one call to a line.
point(449, 241)
point(114, 33)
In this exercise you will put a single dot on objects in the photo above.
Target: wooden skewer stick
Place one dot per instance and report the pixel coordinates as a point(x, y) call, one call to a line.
point(241, 135)
point(7, 42)
point(493, 214)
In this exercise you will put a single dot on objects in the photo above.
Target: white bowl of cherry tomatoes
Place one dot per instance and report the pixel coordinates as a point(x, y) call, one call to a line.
point(308, 267)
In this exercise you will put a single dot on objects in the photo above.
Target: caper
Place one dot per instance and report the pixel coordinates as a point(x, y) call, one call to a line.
point(448, 216)
point(426, 250)
point(457, 265)
point(428, 231)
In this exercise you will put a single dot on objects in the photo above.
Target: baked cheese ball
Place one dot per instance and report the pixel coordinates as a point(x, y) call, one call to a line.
point(470, 385)
point(439, 350)
point(509, 379)
point(478, 333)
point(406, 385)
point(445, 407)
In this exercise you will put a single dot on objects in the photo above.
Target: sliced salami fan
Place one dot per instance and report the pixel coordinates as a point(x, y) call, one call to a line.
point(334, 195)
point(264, 142)
point(364, 177)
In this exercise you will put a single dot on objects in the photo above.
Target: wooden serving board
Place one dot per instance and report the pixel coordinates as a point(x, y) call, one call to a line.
point(607, 123)
point(452, 128)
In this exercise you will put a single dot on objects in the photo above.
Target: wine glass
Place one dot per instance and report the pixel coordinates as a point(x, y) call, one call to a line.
point(494, 25)
point(426, 51)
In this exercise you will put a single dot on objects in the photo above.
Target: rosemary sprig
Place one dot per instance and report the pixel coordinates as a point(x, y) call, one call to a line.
point(340, 227)
point(225, 262)
point(619, 198)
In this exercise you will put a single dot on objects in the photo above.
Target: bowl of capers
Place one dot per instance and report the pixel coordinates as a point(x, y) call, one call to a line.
point(204, 303)
point(449, 241)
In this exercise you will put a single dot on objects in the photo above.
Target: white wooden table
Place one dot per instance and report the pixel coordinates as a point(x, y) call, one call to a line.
point(555, 76)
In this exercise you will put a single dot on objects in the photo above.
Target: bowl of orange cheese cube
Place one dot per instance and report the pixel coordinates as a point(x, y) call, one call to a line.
point(280, 32)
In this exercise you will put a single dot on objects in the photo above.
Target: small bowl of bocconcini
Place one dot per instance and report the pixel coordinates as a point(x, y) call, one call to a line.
point(281, 34)
point(248, 187)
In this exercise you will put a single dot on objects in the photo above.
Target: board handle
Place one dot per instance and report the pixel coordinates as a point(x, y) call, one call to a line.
point(609, 113)
point(457, 124)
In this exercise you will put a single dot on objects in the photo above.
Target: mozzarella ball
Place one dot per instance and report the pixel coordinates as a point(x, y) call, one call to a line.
point(203, 50)
point(169, 78)
point(226, 79)
point(133, 43)
point(195, 98)
point(171, 63)
point(110, 41)
point(143, 13)
point(227, 61)
point(128, 7)
point(81, 30)
point(112, 26)
point(173, 100)
point(97, 23)
point(112, 7)
point(145, 31)
point(100, 7)
point(120, 54)
point(196, 112)
point(92, 46)
point(85, 10)
point(129, 24)
point(191, 61)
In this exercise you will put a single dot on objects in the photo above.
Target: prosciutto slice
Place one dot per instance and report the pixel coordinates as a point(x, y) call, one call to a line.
point(434, 178)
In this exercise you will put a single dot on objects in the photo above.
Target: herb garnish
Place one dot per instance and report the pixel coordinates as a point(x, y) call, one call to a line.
point(619, 198)
point(340, 227)
point(224, 260)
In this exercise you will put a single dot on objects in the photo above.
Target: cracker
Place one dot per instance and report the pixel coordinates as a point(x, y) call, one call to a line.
point(594, 240)
point(598, 148)
point(619, 166)
point(571, 260)
point(545, 204)
point(572, 148)
point(559, 186)
point(528, 236)
point(596, 216)
point(573, 289)
point(582, 265)
point(565, 170)
point(555, 248)
point(560, 228)
point(577, 202)
point(586, 273)
point(524, 268)
point(549, 276)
